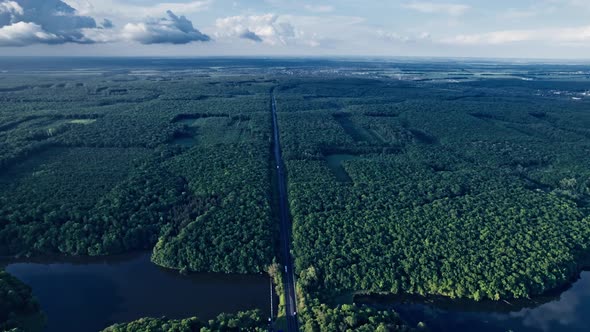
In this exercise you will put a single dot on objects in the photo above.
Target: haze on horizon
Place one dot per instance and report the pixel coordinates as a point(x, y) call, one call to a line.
point(549, 29)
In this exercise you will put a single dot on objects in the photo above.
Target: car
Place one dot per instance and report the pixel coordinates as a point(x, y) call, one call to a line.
point(286, 269)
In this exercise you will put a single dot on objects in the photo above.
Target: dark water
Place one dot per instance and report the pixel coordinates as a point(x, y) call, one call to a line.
point(566, 312)
point(89, 295)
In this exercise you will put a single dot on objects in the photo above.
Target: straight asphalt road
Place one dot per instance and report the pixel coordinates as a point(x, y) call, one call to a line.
point(286, 226)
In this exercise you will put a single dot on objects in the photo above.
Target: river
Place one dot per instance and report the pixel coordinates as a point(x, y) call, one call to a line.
point(565, 311)
point(92, 293)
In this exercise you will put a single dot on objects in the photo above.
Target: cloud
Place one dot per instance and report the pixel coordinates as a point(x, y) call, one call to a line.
point(22, 34)
point(131, 11)
point(395, 37)
point(9, 10)
point(319, 8)
point(167, 30)
point(107, 24)
point(391, 36)
point(570, 36)
point(251, 35)
point(25, 22)
point(11, 7)
point(437, 8)
point(269, 28)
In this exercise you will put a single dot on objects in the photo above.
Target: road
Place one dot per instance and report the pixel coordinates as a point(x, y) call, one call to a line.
point(290, 296)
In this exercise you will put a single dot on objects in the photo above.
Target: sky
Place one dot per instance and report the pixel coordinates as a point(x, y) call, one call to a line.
point(546, 29)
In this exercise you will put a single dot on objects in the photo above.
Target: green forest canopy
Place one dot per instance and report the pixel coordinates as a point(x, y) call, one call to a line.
point(476, 189)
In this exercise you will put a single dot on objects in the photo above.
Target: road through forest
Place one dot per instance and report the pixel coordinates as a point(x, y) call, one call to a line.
point(290, 296)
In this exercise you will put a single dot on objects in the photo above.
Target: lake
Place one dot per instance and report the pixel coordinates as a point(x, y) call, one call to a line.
point(89, 294)
point(568, 311)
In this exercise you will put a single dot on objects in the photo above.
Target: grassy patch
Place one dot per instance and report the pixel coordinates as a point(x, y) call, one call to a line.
point(82, 121)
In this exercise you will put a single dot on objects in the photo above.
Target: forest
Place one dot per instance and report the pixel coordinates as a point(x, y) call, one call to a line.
point(97, 168)
point(475, 189)
point(18, 308)
point(434, 192)
point(343, 318)
point(248, 321)
point(110, 165)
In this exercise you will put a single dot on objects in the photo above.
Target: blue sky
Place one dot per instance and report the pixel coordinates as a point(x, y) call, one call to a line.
point(461, 28)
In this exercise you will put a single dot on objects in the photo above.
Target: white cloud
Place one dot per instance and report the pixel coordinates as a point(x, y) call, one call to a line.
point(437, 8)
point(117, 8)
point(104, 35)
point(23, 33)
point(392, 36)
point(11, 7)
point(167, 30)
point(9, 10)
point(268, 28)
point(571, 36)
point(26, 22)
point(319, 8)
point(395, 37)
point(333, 33)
